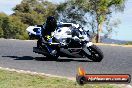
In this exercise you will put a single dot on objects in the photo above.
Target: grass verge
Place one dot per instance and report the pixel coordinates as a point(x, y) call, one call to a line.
point(18, 80)
point(128, 43)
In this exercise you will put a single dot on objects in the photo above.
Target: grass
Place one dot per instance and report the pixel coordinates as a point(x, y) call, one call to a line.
point(128, 43)
point(18, 80)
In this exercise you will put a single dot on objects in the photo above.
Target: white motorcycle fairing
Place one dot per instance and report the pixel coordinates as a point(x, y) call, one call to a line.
point(31, 30)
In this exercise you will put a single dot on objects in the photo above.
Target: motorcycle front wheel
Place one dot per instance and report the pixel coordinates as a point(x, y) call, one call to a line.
point(93, 53)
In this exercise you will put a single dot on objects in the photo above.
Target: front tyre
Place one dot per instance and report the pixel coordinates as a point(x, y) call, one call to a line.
point(93, 53)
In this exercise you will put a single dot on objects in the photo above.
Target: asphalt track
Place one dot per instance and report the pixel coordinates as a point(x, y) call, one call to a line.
point(17, 54)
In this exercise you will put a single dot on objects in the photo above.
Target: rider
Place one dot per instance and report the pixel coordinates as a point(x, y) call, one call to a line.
point(48, 28)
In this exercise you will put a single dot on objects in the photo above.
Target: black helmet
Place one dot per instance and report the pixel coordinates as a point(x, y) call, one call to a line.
point(51, 21)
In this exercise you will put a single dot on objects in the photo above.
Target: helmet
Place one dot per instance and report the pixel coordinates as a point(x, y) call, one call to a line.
point(51, 21)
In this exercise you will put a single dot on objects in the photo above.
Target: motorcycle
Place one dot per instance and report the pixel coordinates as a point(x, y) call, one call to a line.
point(68, 40)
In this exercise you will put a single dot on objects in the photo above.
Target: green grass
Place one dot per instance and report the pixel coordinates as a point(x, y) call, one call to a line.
point(128, 43)
point(19, 80)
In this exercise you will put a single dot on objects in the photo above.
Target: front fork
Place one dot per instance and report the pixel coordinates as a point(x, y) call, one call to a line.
point(85, 48)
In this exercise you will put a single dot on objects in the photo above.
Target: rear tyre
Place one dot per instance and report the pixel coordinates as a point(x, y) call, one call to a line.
point(93, 53)
point(53, 57)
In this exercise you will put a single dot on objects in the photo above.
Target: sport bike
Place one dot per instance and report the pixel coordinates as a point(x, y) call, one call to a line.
point(68, 40)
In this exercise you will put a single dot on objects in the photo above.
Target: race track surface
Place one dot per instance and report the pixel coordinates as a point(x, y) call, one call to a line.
point(17, 54)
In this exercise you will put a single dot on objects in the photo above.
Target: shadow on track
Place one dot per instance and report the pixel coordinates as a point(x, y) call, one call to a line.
point(20, 58)
point(45, 59)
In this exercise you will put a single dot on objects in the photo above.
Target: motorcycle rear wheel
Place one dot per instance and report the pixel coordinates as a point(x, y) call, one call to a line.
point(52, 57)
